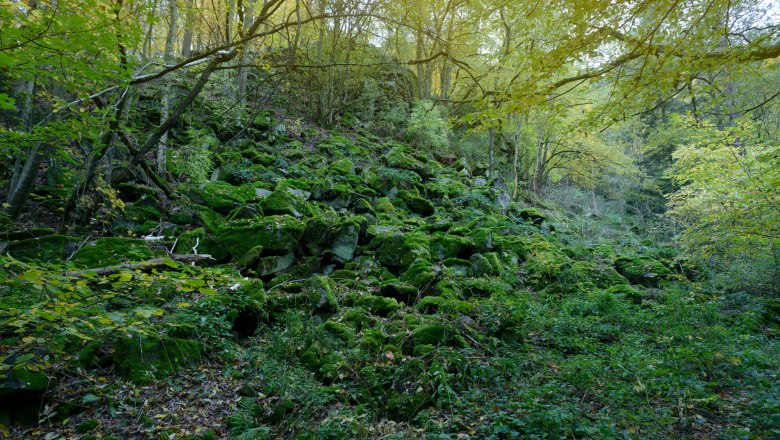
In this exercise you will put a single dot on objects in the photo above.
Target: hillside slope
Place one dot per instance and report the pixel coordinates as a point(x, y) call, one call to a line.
point(360, 288)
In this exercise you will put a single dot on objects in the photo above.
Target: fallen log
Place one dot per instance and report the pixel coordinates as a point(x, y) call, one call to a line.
point(156, 263)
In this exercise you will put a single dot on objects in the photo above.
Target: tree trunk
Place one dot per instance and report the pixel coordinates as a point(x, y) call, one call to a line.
point(17, 195)
point(243, 70)
point(165, 101)
point(491, 154)
point(186, 41)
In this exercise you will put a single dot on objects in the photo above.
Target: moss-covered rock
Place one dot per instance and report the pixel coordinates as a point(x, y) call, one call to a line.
point(274, 264)
point(283, 202)
point(642, 270)
point(421, 273)
point(247, 211)
point(250, 258)
point(220, 196)
point(401, 250)
point(533, 215)
point(443, 245)
point(398, 158)
point(321, 296)
point(274, 234)
point(432, 334)
point(48, 248)
point(416, 204)
point(109, 251)
point(378, 305)
point(383, 204)
point(342, 167)
point(403, 292)
point(143, 359)
point(21, 392)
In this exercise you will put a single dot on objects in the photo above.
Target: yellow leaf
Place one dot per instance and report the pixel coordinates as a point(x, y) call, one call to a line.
point(183, 304)
point(28, 339)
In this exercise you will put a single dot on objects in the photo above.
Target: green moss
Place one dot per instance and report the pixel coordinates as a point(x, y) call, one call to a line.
point(458, 267)
point(340, 330)
point(601, 276)
point(383, 204)
point(342, 167)
point(401, 250)
point(398, 158)
point(431, 334)
point(109, 251)
point(141, 360)
point(403, 292)
point(642, 270)
point(321, 297)
point(378, 305)
point(533, 216)
point(358, 319)
point(87, 426)
point(275, 263)
point(282, 202)
point(421, 273)
point(416, 204)
point(444, 245)
point(49, 248)
point(363, 206)
point(274, 234)
point(219, 196)
point(631, 293)
point(245, 212)
point(433, 304)
point(250, 257)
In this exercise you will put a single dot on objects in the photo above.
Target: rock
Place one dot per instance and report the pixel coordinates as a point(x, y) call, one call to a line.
point(345, 241)
point(533, 215)
point(21, 394)
point(402, 292)
point(244, 212)
point(383, 204)
point(416, 204)
point(274, 234)
point(421, 273)
point(141, 360)
point(479, 169)
point(220, 196)
point(400, 250)
point(342, 167)
point(262, 193)
point(480, 181)
point(321, 297)
point(397, 158)
point(378, 305)
point(249, 259)
point(363, 206)
point(432, 334)
point(443, 245)
point(48, 248)
point(110, 251)
point(275, 263)
point(642, 270)
point(283, 202)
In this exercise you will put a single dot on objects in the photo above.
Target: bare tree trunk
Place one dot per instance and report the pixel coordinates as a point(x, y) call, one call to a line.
point(165, 102)
point(243, 70)
point(186, 41)
point(18, 194)
point(146, 52)
point(491, 153)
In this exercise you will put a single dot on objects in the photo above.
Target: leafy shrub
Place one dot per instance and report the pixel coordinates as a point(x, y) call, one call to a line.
point(193, 159)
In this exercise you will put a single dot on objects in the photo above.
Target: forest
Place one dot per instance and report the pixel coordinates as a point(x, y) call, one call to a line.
point(389, 219)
